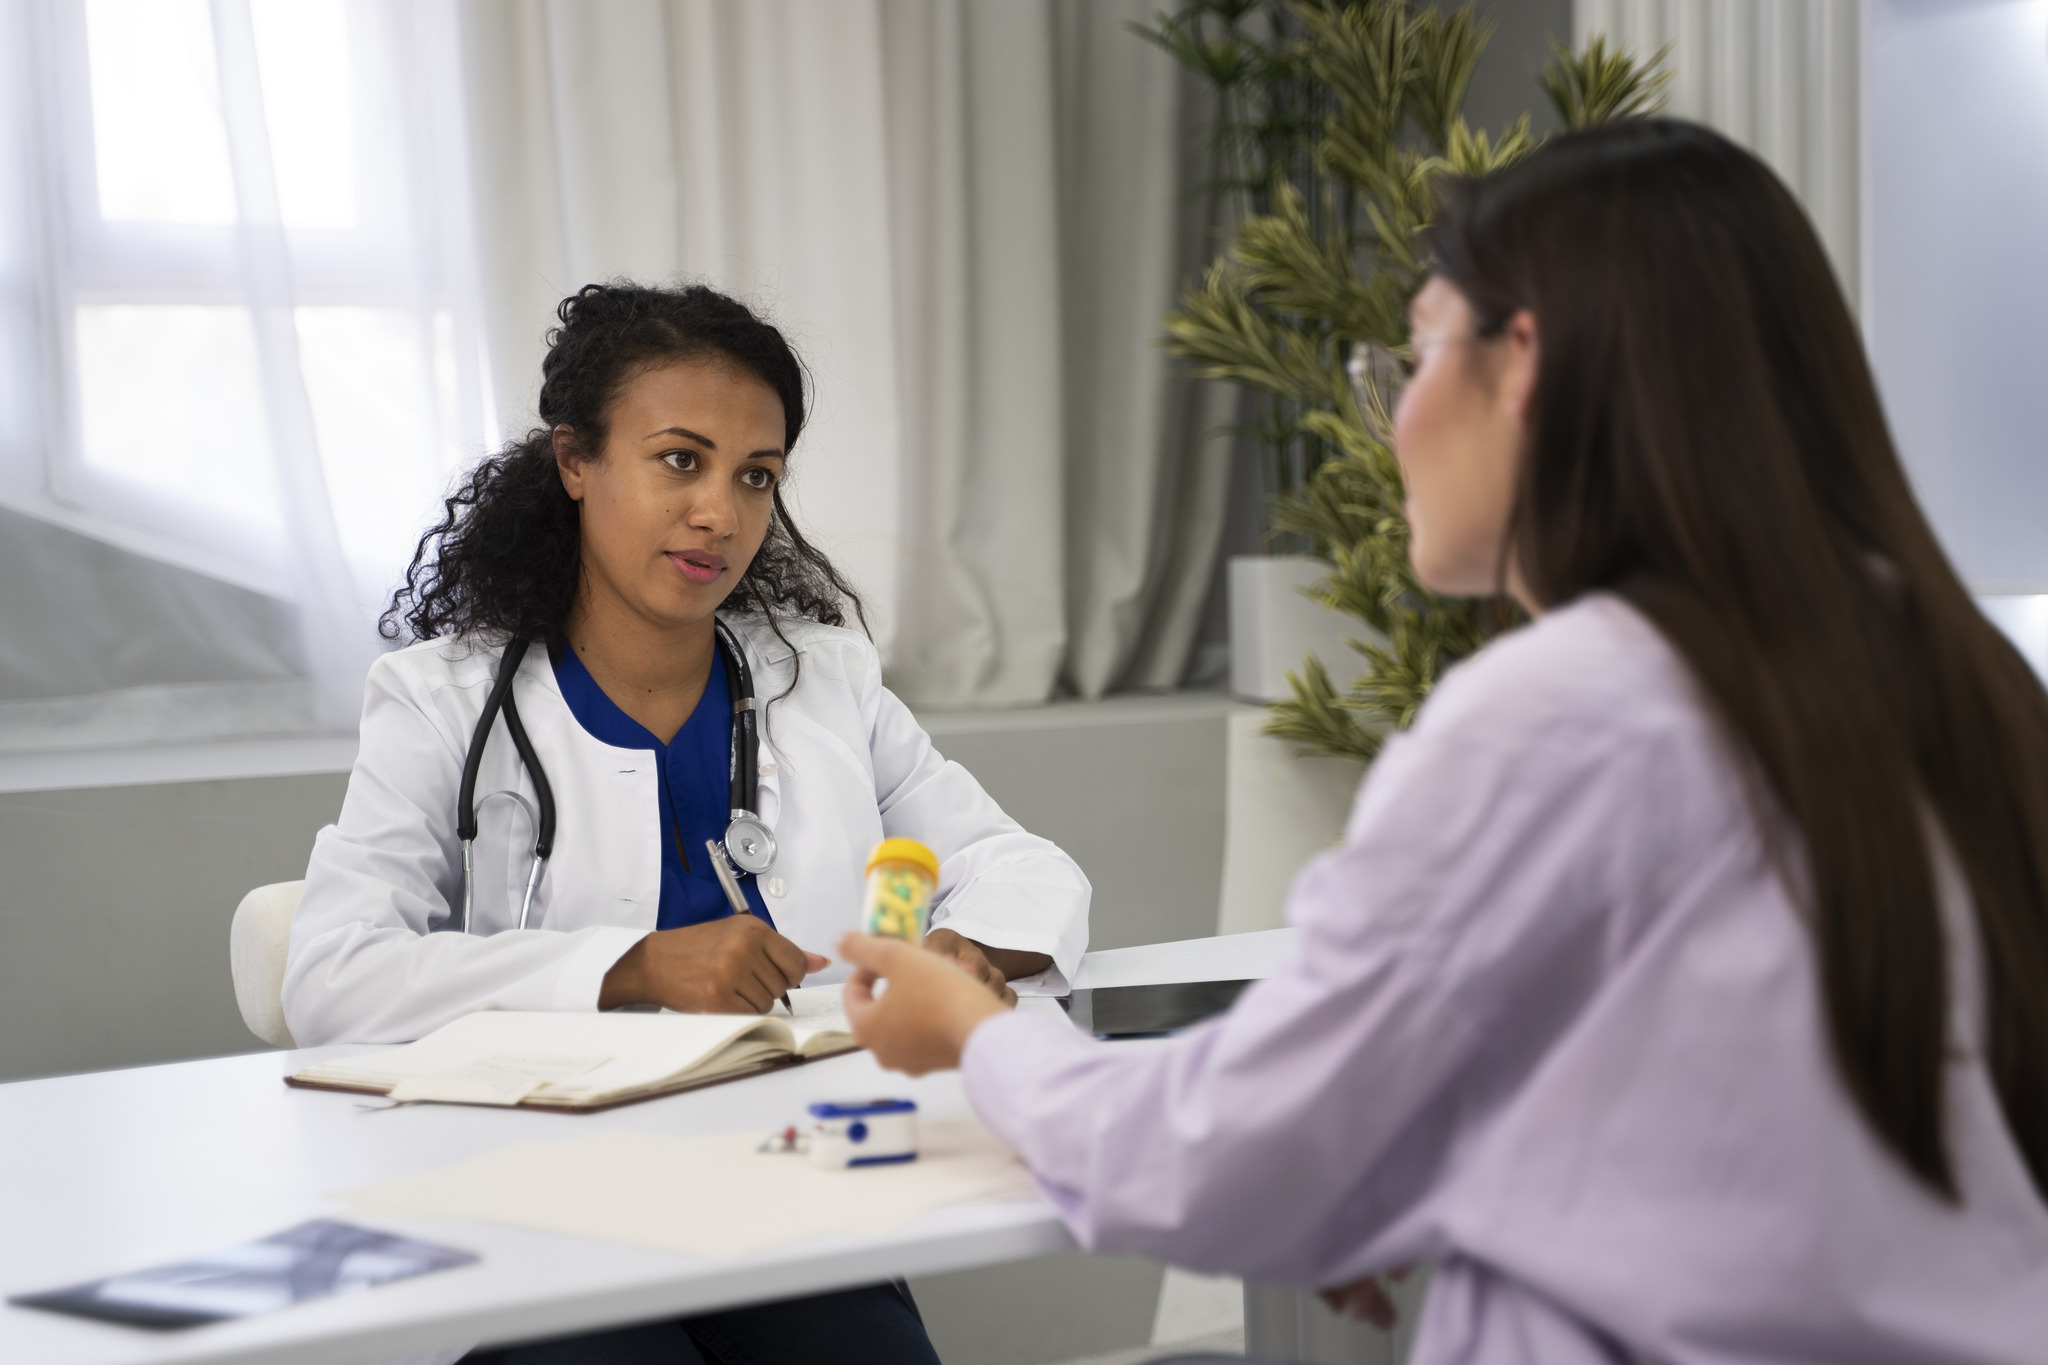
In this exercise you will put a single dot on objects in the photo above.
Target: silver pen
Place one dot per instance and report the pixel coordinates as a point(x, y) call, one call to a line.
point(719, 865)
point(733, 894)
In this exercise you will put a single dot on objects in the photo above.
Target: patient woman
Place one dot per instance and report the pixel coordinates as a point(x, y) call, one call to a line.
point(1680, 987)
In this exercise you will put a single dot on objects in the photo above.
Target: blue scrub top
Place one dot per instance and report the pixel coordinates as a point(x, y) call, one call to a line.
point(695, 786)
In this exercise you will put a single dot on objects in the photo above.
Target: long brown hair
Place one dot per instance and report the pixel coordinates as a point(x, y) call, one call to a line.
point(1705, 440)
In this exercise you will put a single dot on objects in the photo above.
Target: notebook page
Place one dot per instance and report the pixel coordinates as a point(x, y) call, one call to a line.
point(503, 1078)
point(818, 1014)
point(641, 1049)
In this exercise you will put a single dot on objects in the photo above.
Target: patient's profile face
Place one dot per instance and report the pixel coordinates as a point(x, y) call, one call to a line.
point(1458, 435)
point(678, 503)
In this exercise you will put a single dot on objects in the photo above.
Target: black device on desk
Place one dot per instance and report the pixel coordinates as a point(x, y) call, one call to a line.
point(1149, 1011)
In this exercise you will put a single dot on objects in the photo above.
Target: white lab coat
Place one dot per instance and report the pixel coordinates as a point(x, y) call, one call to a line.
point(843, 765)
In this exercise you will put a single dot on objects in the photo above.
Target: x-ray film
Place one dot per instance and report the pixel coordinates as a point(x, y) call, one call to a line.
point(310, 1261)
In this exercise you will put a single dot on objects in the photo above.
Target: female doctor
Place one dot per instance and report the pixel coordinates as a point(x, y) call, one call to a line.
point(1681, 985)
point(631, 546)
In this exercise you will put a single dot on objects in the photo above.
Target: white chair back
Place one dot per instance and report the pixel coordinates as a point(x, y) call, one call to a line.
point(257, 941)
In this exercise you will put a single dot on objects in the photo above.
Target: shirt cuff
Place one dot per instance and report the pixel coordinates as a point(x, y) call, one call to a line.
point(1050, 983)
point(1049, 980)
point(1004, 1059)
point(582, 978)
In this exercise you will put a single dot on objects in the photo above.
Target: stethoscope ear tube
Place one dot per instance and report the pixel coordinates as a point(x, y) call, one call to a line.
point(502, 699)
point(543, 794)
point(746, 741)
point(501, 687)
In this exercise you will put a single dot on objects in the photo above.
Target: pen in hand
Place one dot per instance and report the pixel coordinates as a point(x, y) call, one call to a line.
point(733, 895)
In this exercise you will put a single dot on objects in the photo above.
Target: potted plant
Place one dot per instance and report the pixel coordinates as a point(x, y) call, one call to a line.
point(1336, 120)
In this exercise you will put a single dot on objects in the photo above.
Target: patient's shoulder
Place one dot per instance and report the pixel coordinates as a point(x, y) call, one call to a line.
point(1595, 667)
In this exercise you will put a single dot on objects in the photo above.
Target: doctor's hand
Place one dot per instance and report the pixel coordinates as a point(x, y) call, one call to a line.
point(1366, 1300)
point(922, 1021)
point(735, 965)
point(968, 955)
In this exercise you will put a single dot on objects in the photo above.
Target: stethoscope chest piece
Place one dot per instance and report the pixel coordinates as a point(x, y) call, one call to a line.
point(748, 840)
point(750, 843)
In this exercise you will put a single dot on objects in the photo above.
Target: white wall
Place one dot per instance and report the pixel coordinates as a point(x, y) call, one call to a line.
point(1955, 277)
point(115, 905)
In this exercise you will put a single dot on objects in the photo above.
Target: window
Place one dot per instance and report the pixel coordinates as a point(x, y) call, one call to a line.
point(239, 353)
point(246, 283)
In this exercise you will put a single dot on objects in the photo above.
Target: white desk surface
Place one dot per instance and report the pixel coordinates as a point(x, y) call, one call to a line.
point(125, 1169)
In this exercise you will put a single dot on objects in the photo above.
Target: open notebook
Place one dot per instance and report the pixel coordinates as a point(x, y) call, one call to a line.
point(586, 1062)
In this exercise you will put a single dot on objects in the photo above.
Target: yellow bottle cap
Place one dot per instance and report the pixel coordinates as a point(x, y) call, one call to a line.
point(905, 851)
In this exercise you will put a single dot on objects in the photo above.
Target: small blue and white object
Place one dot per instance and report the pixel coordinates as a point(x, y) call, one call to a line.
point(866, 1133)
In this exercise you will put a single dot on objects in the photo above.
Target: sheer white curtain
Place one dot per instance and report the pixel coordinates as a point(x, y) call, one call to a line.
point(969, 215)
point(272, 270)
point(240, 353)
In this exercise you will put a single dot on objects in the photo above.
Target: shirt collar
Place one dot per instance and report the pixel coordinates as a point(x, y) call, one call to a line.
point(598, 714)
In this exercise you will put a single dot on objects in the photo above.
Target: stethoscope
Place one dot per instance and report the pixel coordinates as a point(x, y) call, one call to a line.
point(749, 843)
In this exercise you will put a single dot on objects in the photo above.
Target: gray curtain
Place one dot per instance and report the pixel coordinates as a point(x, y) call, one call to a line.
point(1147, 448)
point(974, 218)
point(970, 214)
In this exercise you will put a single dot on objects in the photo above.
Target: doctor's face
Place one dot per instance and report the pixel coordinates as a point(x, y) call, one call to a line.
point(677, 504)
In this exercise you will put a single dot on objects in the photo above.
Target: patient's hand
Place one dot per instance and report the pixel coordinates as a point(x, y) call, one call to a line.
point(922, 1022)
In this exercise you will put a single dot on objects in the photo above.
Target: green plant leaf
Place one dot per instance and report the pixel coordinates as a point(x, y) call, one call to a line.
point(1294, 273)
point(1317, 720)
point(1603, 82)
point(1219, 327)
point(1448, 49)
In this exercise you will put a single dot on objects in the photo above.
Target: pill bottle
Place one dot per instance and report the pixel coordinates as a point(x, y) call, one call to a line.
point(902, 874)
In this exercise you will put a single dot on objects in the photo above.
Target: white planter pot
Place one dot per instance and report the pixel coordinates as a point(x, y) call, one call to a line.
point(1280, 810)
point(1274, 625)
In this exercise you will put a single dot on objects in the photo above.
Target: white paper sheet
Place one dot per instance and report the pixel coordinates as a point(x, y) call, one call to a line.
point(713, 1196)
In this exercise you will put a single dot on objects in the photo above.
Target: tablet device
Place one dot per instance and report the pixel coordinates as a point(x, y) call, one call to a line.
point(1149, 1011)
point(310, 1261)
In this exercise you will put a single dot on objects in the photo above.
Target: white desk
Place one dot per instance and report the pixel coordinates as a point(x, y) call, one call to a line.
point(126, 1169)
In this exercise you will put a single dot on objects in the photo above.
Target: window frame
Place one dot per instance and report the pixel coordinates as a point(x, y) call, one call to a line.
point(401, 256)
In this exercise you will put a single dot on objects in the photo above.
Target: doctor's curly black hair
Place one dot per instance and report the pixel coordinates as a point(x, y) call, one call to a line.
point(506, 558)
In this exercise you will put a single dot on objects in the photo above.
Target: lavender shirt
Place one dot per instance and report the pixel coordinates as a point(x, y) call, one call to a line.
point(1551, 1022)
